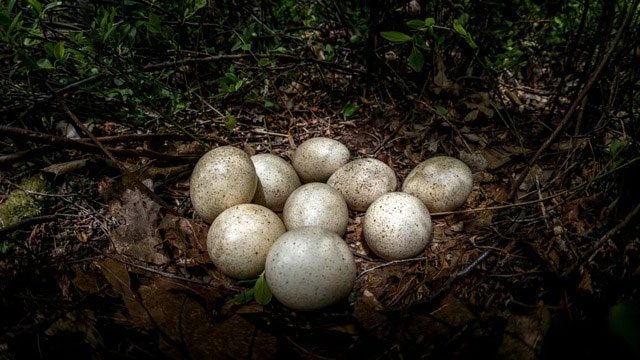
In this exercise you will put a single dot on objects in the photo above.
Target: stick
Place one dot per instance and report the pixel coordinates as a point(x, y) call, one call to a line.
point(85, 146)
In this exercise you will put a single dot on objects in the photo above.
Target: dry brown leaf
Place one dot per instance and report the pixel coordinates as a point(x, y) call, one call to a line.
point(137, 236)
point(524, 335)
point(66, 167)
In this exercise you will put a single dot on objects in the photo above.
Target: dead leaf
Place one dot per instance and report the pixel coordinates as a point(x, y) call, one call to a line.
point(137, 236)
point(66, 167)
point(496, 157)
point(471, 116)
point(367, 310)
point(440, 79)
point(524, 335)
point(117, 276)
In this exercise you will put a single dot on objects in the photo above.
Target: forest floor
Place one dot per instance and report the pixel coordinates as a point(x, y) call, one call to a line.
point(111, 270)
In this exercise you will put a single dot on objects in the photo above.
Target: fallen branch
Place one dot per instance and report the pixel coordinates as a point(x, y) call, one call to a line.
point(29, 222)
point(83, 145)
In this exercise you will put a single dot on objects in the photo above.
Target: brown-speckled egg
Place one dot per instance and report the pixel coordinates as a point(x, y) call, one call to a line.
point(397, 226)
point(276, 181)
point(240, 238)
point(223, 177)
point(309, 268)
point(362, 181)
point(316, 204)
point(442, 183)
point(317, 158)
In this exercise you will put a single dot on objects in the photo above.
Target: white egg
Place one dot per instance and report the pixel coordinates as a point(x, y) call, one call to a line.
point(316, 204)
point(222, 178)
point(317, 158)
point(309, 268)
point(362, 181)
point(442, 183)
point(397, 226)
point(277, 179)
point(240, 238)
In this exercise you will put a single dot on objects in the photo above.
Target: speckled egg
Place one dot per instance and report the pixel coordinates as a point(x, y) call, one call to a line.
point(316, 204)
point(276, 181)
point(309, 268)
point(240, 238)
point(397, 226)
point(442, 183)
point(317, 158)
point(362, 181)
point(223, 177)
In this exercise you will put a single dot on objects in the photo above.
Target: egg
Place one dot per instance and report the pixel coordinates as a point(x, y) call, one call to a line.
point(277, 179)
point(362, 181)
point(240, 238)
point(223, 177)
point(316, 204)
point(317, 158)
point(397, 226)
point(442, 183)
point(309, 268)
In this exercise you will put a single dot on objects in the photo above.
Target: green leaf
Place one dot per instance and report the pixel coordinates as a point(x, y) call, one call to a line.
point(244, 297)
point(349, 109)
point(58, 50)
point(230, 121)
point(429, 21)
point(459, 29)
point(442, 111)
point(624, 323)
point(615, 147)
point(395, 36)
point(45, 64)
point(37, 7)
point(416, 24)
point(153, 25)
point(416, 59)
point(262, 293)
point(463, 32)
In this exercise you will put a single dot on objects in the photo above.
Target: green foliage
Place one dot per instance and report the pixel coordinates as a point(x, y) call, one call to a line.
point(260, 292)
point(349, 109)
point(22, 204)
point(624, 323)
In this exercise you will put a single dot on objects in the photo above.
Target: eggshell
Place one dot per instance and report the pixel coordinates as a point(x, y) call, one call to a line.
point(317, 158)
point(222, 178)
point(397, 226)
point(316, 204)
point(362, 181)
point(442, 183)
point(240, 238)
point(277, 179)
point(309, 268)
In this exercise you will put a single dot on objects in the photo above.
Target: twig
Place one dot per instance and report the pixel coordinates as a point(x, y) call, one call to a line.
point(207, 59)
point(593, 79)
point(31, 221)
point(394, 262)
point(598, 244)
point(23, 155)
point(499, 207)
point(85, 146)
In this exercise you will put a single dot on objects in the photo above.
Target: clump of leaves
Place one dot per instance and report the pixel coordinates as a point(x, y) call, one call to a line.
point(260, 292)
